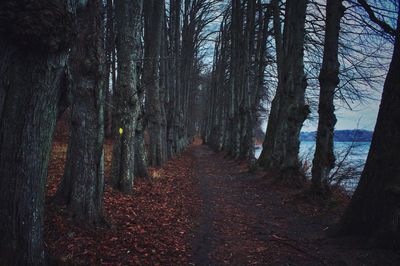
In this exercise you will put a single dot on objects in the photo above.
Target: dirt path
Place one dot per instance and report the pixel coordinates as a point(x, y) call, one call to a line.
point(204, 239)
point(202, 209)
point(244, 220)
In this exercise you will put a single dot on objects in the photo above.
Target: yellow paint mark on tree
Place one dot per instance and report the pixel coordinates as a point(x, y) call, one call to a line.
point(121, 131)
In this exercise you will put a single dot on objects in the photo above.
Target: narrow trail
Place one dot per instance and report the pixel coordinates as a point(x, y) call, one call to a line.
point(245, 220)
point(201, 208)
point(203, 242)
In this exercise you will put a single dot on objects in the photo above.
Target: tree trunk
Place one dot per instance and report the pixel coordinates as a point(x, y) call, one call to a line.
point(140, 164)
point(324, 158)
point(235, 79)
point(153, 13)
point(174, 102)
point(66, 97)
point(164, 85)
point(33, 54)
point(83, 181)
point(259, 69)
point(266, 159)
point(292, 110)
point(246, 140)
point(374, 209)
point(127, 107)
point(140, 150)
point(109, 51)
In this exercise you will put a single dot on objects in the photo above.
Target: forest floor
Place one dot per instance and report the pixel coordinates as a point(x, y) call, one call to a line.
point(204, 209)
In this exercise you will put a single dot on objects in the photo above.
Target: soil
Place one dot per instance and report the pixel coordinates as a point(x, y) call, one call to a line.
point(248, 220)
point(204, 209)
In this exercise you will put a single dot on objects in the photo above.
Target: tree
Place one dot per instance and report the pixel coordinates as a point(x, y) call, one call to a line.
point(324, 158)
point(140, 165)
point(265, 159)
point(109, 73)
point(126, 99)
point(237, 80)
point(215, 126)
point(186, 32)
point(260, 91)
point(34, 41)
point(153, 14)
point(174, 87)
point(292, 110)
point(81, 187)
point(374, 207)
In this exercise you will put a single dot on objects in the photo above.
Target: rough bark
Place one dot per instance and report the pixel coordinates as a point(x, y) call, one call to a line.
point(292, 110)
point(66, 97)
point(213, 124)
point(127, 107)
point(233, 96)
point(140, 165)
point(247, 115)
point(174, 97)
point(164, 84)
point(193, 17)
point(33, 41)
point(153, 14)
point(140, 149)
point(324, 157)
point(235, 79)
point(108, 73)
point(374, 209)
point(259, 69)
point(81, 188)
point(269, 145)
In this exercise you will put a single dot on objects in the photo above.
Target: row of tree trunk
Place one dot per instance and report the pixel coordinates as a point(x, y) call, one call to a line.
point(233, 95)
point(237, 79)
point(60, 53)
point(237, 86)
point(90, 58)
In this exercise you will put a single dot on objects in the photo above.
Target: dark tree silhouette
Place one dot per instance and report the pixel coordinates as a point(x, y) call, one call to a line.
point(237, 79)
point(153, 19)
point(81, 188)
point(374, 207)
point(324, 158)
point(34, 41)
point(126, 99)
point(281, 145)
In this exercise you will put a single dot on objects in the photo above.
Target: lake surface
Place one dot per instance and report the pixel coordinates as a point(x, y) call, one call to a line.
point(354, 153)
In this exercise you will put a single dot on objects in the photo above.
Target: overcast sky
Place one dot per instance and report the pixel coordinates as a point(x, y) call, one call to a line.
point(362, 117)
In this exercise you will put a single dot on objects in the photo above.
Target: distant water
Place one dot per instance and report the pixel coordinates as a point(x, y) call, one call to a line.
point(357, 157)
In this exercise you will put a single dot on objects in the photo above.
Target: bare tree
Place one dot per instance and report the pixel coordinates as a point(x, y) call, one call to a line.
point(237, 79)
point(81, 187)
point(292, 111)
point(109, 67)
point(186, 25)
point(153, 14)
point(126, 99)
point(374, 208)
point(324, 158)
point(34, 43)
